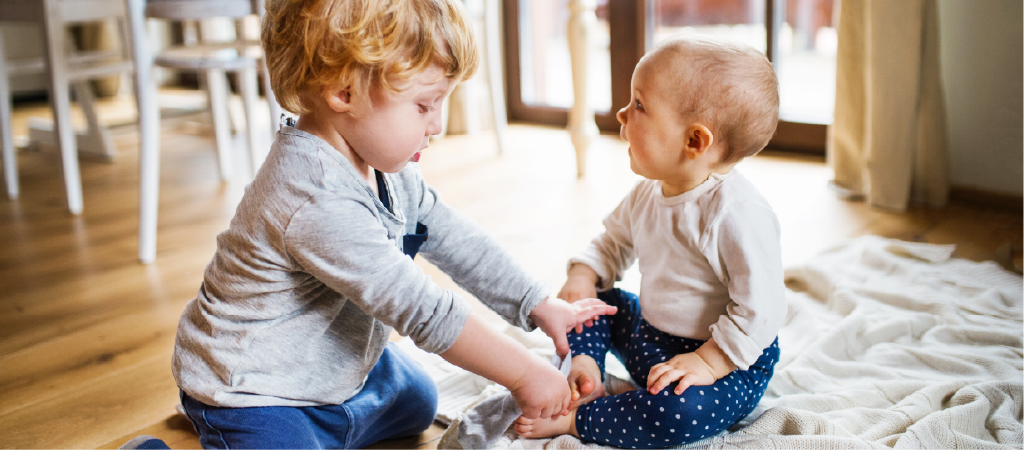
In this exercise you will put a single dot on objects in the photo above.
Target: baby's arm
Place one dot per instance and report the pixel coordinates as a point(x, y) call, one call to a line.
point(538, 388)
point(580, 284)
point(701, 368)
point(606, 258)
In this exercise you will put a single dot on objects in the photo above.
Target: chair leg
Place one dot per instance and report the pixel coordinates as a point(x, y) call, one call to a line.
point(217, 94)
point(250, 97)
point(6, 134)
point(494, 80)
point(60, 102)
point(149, 129)
point(97, 143)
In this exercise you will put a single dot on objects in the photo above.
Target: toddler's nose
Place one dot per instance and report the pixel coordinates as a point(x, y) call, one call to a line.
point(435, 127)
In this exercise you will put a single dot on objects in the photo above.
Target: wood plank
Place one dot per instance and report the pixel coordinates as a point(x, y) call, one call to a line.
point(94, 411)
point(56, 366)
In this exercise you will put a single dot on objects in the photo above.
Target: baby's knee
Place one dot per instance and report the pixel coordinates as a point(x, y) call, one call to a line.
point(698, 416)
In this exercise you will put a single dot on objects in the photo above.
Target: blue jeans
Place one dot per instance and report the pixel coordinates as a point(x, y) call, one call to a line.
point(637, 419)
point(398, 400)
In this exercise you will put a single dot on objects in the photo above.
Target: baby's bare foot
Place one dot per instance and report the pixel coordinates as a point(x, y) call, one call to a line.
point(543, 428)
point(585, 381)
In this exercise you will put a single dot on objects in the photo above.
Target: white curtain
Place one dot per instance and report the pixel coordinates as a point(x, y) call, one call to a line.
point(888, 141)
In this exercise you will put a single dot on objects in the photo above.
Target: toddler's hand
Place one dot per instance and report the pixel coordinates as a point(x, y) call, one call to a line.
point(556, 318)
point(542, 392)
point(688, 368)
point(584, 381)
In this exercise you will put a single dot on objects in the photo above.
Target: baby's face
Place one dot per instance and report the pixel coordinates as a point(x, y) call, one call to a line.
point(651, 122)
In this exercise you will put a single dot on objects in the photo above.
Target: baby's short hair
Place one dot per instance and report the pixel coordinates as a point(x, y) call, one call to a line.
point(730, 85)
point(361, 44)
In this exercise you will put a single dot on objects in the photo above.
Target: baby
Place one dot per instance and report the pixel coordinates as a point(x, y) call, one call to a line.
point(701, 337)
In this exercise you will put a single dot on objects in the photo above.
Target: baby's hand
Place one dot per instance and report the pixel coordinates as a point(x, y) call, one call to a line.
point(556, 318)
point(542, 392)
point(581, 284)
point(688, 368)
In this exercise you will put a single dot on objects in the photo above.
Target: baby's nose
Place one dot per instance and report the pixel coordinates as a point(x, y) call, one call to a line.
point(621, 115)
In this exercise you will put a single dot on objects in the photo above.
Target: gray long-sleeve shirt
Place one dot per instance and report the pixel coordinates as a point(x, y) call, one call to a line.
point(309, 279)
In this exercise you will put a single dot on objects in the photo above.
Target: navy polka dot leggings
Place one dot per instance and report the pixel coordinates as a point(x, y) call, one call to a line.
point(637, 419)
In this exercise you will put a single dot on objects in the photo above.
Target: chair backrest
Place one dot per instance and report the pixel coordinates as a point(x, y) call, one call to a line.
point(70, 11)
point(200, 9)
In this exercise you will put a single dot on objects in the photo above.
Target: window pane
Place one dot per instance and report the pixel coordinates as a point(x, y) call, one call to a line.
point(807, 61)
point(546, 71)
point(736, 20)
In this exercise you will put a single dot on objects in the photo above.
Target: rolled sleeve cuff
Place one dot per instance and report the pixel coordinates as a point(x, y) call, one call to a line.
point(439, 333)
point(530, 301)
point(605, 281)
point(737, 345)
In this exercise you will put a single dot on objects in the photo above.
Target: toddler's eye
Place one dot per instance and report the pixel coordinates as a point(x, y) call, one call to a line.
point(639, 106)
point(426, 108)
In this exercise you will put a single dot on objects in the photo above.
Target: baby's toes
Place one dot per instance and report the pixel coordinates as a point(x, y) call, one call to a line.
point(523, 429)
point(587, 386)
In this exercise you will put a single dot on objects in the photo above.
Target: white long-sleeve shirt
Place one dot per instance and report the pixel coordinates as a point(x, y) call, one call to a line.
point(710, 262)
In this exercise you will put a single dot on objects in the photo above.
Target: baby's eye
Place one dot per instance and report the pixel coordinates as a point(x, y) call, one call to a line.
point(639, 106)
point(426, 108)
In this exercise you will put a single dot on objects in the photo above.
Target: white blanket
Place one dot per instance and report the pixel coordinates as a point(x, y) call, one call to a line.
point(887, 344)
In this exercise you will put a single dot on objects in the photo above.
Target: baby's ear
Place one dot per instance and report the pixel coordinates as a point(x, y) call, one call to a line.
point(339, 100)
point(698, 140)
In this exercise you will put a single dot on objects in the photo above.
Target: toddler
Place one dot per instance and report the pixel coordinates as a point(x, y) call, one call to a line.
point(286, 343)
point(701, 337)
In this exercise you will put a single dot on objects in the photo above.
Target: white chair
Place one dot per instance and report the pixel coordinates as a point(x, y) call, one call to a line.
point(212, 62)
point(66, 68)
point(486, 14)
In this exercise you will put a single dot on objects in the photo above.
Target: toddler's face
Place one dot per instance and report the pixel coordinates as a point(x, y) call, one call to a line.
point(396, 127)
point(651, 122)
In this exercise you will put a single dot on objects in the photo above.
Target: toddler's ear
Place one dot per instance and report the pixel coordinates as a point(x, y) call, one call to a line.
point(698, 140)
point(339, 100)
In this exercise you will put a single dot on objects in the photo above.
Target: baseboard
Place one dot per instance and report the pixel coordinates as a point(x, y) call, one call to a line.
point(985, 197)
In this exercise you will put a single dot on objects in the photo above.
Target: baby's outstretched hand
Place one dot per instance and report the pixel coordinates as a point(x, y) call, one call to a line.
point(556, 318)
point(687, 368)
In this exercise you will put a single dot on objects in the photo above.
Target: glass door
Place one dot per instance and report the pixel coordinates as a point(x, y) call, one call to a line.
point(538, 66)
point(798, 36)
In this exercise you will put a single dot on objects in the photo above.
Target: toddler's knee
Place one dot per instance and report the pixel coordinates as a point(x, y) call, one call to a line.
point(420, 397)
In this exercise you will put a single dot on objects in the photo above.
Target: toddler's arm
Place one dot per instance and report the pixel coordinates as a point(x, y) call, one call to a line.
point(700, 368)
point(538, 388)
point(474, 258)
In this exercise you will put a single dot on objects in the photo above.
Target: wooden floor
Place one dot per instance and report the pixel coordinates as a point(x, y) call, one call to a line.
point(86, 332)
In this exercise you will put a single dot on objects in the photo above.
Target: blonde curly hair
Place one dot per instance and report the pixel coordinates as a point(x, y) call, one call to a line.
point(362, 44)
